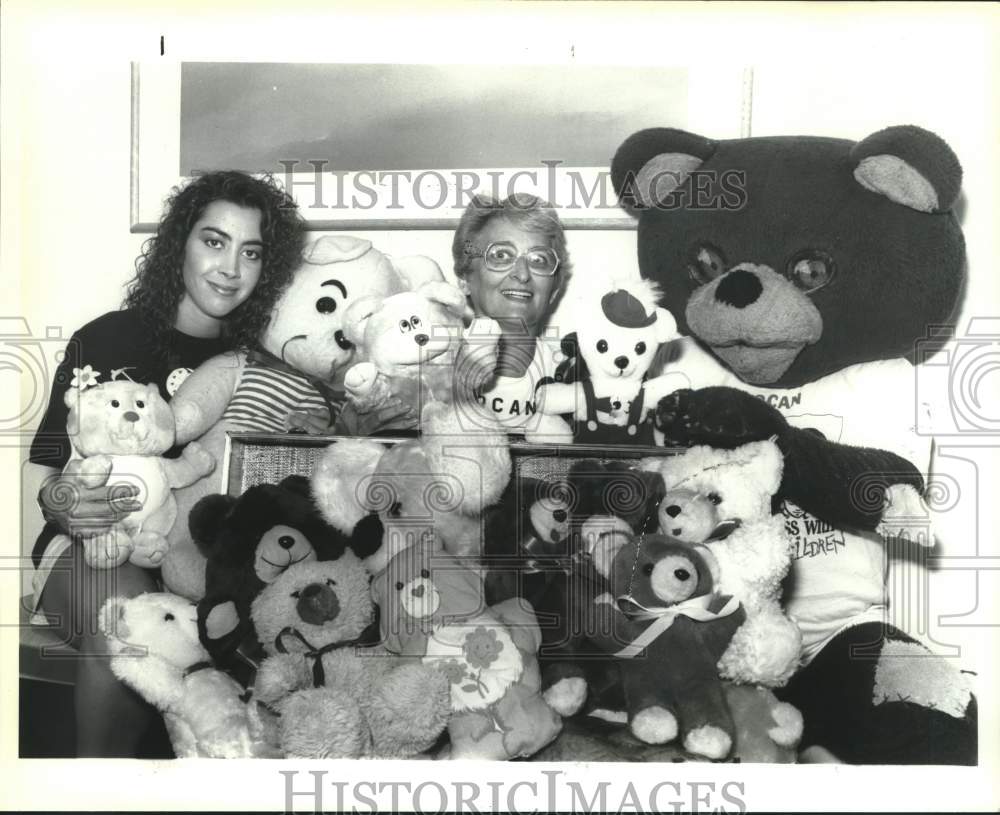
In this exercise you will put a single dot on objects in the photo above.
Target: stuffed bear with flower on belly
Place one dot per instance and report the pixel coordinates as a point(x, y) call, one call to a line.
point(120, 429)
point(338, 695)
point(433, 608)
point(809, 273)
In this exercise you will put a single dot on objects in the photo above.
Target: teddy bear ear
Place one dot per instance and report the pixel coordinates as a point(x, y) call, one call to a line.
point(357, 315)
point(666, 326)
point(417, 271)
point(335, 249)
point(447, 295)
point(909, 165)
point(766, 465)
point(297, 484)
point(207, 519)
point(652, 163)
point(112, 619)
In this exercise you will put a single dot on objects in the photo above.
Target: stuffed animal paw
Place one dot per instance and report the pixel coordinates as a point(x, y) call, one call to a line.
point(107, 551)
point(719, 417)
point(149, 549)
point(202, 461)
point(906, 516)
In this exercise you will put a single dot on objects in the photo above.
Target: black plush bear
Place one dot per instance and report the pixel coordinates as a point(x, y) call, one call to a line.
point(249, 541)
point(810, 274)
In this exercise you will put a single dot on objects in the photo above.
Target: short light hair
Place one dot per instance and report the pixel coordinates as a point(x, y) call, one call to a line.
point(527, 212)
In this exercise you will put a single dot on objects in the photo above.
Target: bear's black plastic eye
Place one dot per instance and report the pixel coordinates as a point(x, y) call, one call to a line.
point(139, 403)
point(399, 585)
point(715, 498)
point(602, 346)
point(331, 582)
point(647, 569)
point(342, 341)
point(640, 348)
point(705, 263)
point(414, 321)
point(682, 574)
point(404, 326)
point(115, 403)
point(295, 594)
point(326, 305)
point(168, 617)
point(810, 270)
point(424, 573)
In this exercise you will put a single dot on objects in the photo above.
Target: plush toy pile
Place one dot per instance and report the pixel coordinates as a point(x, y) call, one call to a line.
point(413, 599)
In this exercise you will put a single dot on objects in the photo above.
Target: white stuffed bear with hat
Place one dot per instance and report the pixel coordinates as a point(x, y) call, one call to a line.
point(618, 335)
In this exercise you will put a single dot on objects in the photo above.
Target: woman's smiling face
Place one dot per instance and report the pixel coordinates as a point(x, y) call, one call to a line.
point(223, 258)
point(516, 295)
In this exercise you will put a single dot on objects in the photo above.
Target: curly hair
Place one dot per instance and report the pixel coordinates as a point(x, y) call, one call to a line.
point(158, 285)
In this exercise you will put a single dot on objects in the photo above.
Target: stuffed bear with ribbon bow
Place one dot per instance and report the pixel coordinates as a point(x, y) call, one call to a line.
point(338, 695)
point(668, 625)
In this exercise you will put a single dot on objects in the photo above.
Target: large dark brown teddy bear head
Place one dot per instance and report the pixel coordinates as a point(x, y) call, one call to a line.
point(790, 258)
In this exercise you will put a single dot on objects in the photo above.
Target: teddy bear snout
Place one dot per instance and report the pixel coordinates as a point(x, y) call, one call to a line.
point(421, 339)
point(130, 416)
point(318, 604)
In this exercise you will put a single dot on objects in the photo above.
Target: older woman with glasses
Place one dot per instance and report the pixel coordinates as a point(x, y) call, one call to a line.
point(512, 262)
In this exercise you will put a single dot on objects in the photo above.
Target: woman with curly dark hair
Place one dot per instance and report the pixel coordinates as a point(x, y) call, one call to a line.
point(205, 283)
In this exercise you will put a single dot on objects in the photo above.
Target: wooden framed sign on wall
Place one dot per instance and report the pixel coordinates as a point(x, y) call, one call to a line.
point(390, 146)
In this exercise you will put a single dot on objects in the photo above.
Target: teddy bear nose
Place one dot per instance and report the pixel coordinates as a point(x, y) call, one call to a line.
point(130, 416)
point(621, 362)
point(418, 591)
point(421, 339)
point(559, 516)
point(673, 510)
point(286, 541)
point(317, 604)
point(739, 288)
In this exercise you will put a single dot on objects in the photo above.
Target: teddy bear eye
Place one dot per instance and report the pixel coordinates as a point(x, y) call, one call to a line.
point(682, 574)
point(139, 403)
point(326, 305)
point(810, 270)
point(168, 617)
point(404, 325)
point(399, 585)
point(715, 498)
point(425, 573)
point(602, 346)
point(647, 569)
point(115, 403)
point(640, 348)
point(706, 264)
point(342, 341)
point(331, 582)
point(414, 321)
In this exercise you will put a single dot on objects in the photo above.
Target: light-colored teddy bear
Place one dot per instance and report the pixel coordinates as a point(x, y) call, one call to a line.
point(618, 334)
point(337, 697)
point(153, 639)
point(120, 429)
point(720, 500)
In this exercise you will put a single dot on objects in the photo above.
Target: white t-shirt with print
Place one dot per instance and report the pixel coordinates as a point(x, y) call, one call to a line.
point(513, 400)
point(838, 576)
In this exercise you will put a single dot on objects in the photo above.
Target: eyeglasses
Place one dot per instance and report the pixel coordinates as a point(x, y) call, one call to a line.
point(502, 256)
